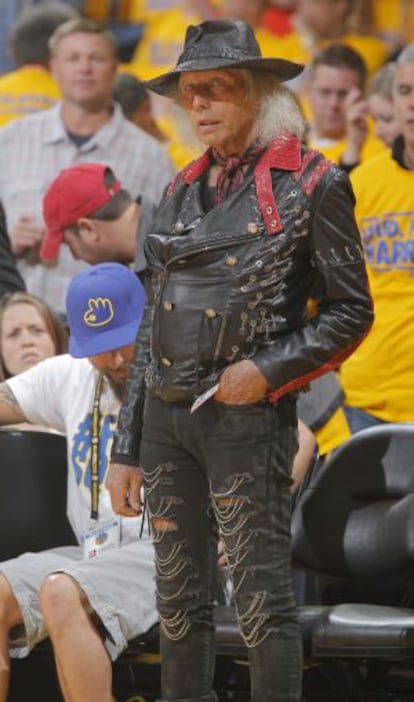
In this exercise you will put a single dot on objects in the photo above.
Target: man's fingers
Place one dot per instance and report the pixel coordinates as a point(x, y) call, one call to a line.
point(135, 504)
point(128, 511)
point(124, 485)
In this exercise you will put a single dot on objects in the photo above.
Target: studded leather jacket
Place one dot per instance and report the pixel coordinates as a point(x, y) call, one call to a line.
point(234, 282)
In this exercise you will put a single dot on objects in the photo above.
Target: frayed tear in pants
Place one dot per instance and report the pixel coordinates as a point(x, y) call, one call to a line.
point(229, 467)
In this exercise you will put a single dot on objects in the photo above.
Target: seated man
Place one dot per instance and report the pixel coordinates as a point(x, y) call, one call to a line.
point(90, 599)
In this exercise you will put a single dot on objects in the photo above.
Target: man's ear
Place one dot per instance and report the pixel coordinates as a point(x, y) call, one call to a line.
point(89, 229)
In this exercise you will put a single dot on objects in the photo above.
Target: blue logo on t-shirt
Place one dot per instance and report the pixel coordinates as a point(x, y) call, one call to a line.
point(81, 448)
point(389, 241)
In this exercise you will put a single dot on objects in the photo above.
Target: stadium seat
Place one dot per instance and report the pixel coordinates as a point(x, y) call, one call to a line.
point(354, 528)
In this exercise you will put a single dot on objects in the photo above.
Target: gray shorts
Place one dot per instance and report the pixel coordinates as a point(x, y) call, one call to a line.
point(119, 584)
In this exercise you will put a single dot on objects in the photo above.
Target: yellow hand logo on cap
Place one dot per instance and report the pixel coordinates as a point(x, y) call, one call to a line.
point(99, 312)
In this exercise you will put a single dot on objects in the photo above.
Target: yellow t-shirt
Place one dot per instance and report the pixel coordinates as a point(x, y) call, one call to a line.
point(163, 41)
point(267, 42)
point(394, 19)
point(333, 433)
point(180, 154)
point(379, 376)
point(126, 10)
point(372, 49)
point(26, 90)
point(333, 149)
point(130, 10)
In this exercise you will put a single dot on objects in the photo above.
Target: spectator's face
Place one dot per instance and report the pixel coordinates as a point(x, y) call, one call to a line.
point(24, 337)
point(325, 18)
point(327, 90)
point(85, 245)
point(382, 112)
point(84, 65)
point(114, 365)
point(404, 100)
point(98, 241)
point(220, 110)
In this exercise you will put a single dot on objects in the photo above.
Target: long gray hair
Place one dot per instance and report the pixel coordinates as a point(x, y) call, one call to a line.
point(279, 112)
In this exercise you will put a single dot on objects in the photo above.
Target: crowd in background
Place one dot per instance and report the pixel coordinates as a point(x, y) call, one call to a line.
point(72, 94)
point(349, 48)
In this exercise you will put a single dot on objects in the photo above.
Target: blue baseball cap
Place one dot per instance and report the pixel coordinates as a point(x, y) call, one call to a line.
point(104, 307)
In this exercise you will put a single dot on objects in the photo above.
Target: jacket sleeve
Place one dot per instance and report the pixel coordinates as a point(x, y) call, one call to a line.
point(345, 310)
point(127, 438)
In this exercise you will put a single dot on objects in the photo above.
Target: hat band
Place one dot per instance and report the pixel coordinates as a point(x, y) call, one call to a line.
point(227, 52)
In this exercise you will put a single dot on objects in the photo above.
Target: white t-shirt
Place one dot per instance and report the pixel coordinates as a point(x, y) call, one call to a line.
point(59, 393)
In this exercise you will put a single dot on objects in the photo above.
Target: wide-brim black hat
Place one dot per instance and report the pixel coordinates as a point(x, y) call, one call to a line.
point(221, 44)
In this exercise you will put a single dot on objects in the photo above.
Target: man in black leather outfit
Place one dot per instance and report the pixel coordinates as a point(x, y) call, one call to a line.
point(241, 239)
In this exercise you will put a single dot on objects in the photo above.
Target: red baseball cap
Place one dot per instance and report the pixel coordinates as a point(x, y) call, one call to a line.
point(76, 192)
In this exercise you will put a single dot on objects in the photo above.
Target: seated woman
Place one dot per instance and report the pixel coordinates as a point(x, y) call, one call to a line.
point(29, 333)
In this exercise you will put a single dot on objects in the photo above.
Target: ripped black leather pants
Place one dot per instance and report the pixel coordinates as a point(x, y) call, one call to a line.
point(230, 464)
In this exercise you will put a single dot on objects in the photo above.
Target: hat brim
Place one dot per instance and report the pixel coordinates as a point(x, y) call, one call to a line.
point(105, 341)
point(51, 244)
point(166, 83)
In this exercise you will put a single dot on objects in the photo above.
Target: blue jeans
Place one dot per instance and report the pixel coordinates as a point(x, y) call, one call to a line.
point(225, 465)
point(359, 420)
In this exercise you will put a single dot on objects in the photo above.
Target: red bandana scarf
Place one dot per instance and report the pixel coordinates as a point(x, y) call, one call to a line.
point(232, 170)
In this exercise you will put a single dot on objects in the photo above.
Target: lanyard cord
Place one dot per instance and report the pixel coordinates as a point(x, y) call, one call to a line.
point(96, 421)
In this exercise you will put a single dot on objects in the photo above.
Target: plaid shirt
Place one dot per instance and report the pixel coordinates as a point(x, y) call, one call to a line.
point(34, 149)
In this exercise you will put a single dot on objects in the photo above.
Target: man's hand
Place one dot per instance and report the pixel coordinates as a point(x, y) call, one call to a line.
point(26, 235)
point(124, 484)
point(356, 125)
point(241, 384)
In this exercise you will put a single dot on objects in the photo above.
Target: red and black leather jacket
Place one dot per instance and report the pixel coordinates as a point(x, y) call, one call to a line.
point(234, 282)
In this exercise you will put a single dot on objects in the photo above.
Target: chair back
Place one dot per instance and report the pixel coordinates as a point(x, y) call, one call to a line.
point(32, 492)
point(355, 521)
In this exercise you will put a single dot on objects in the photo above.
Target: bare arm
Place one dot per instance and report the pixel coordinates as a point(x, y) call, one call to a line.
point(304, 456)
point(10, 410)
point(356, 112)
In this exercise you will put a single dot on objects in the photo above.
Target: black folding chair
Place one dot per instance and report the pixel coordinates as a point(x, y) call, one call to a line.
point(354, 528)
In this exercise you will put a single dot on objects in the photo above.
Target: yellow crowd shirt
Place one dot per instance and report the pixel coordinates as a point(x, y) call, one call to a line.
point(126, 10)
point(333, 149)
point(333, 433)
point(163, 41)
point(26, 90)
point(394, 20)
point(295, 47)
point(379, 376)
point(180, 154)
